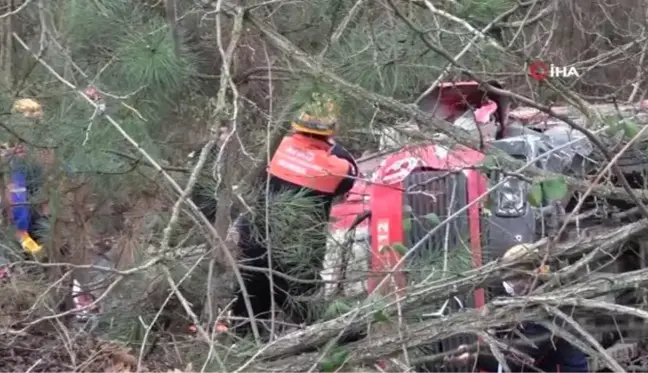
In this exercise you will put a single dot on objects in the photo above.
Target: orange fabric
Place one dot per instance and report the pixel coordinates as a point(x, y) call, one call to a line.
point(306, 162)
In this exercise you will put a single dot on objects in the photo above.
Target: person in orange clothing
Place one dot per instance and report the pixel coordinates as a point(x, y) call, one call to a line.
point(308, 165)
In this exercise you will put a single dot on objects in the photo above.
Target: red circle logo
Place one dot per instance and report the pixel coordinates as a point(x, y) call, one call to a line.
point(538, 70)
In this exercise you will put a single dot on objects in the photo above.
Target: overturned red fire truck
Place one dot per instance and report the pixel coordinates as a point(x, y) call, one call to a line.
point(413, 188)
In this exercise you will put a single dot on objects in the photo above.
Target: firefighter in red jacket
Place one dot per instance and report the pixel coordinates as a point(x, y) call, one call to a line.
point(307, 166)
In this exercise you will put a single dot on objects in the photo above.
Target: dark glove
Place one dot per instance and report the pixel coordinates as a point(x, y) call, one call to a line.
point(338, 151)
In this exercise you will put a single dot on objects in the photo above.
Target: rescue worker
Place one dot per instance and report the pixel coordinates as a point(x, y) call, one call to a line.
point(550, 354)
point(23, 201)
point(307, 166)
point(28, 215)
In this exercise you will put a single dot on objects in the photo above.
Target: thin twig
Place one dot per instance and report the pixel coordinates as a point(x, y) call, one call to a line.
point(612, 364)
point(273, 305)
point(228, 255)
point(16, 11)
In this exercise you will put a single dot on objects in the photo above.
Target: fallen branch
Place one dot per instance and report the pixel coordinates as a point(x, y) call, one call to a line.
point(611, 363)
point(434, 291)
point(473, 321)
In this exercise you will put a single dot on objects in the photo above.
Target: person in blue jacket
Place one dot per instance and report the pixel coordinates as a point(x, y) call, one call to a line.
point(28, 216)
point(550, 353)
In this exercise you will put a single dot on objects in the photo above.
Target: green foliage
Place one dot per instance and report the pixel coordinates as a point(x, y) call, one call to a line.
point(429, 267)
point(385, 57)
point(337, 308)
point(407, 224)
point(547, 191)
point(535, 195)
point(483, 11)
point(612, 130)
point(399, 248)
point(376, 304)
point(489, 162)
point(306, 22)
point(433, 218)
point(555, 189)
point(310, 92)
point(152, 61)
point(430, 217)
point(630, 128)
point(297, 237)
point(380, 317)
point(124, 48)
point(131, 48)
point(336, 358)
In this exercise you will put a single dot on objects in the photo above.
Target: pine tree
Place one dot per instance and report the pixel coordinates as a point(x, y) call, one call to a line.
point(159, 84)
point(125, 50)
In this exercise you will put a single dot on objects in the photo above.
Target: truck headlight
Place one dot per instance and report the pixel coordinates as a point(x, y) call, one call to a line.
point(511, 197)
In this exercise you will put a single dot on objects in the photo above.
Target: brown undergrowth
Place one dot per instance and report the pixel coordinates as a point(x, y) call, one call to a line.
point(30, 340)
point(33, 338)
point(47, 352)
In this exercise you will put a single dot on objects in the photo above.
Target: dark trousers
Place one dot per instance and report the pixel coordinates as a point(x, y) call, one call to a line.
point(257, 284)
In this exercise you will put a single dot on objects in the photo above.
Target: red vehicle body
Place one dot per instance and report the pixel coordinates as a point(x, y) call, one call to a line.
point(385, 205)
point(386, 221)
point(392, 172)
point(415, 181)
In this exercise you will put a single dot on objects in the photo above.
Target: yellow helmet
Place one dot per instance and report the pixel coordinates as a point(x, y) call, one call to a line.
point(318, 118)
point(28, 107)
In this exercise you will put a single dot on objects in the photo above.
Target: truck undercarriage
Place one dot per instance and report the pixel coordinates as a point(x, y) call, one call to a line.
point(414, 189)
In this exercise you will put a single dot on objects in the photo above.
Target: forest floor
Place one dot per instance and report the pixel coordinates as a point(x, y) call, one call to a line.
point(33, 340)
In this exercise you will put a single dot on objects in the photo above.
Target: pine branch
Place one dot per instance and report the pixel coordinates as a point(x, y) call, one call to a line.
point(228, 255)
point(315, 68)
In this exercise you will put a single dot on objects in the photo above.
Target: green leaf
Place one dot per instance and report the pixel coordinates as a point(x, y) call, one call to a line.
point(612, 129)
point(399, 248)
point(336, 309)
point(630, 128)
point(379, 316)
point(336, 359)
point(433, 218)
point(339, 357)
point(327, 366)
point(555, 189)
point(489, 162)
point(407, 224)
point(535, 195)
